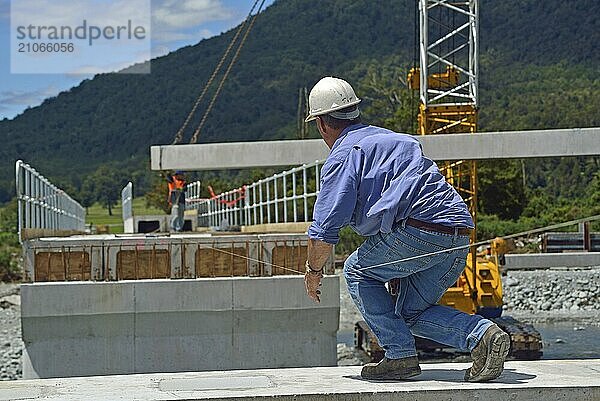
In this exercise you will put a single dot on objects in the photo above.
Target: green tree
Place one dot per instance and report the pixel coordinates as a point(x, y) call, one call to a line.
point(501, 190)
point(8, 217)
point(389, 103)
point(106, 184)
point(9, 243)
point(87, 197)
point(158, 194)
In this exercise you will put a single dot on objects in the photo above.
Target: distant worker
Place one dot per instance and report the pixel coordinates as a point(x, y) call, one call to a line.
point(380, 184)
point(177, 189)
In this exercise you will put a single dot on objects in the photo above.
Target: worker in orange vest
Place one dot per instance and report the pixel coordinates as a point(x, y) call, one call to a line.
point(177, 188)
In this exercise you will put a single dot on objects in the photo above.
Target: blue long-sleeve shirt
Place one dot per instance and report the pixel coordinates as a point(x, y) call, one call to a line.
point(373, 178)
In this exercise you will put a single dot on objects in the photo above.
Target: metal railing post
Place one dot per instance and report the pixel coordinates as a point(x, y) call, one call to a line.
point(285, 198)
point(268, 203)
point(43, 206)
point(294, 196)
point(304, 192)
point(260, 201)
point(276, 199)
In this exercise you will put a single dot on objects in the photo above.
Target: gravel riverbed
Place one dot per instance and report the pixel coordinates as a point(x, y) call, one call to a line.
point(570, 297)
point(11, 345)
point(553, 295)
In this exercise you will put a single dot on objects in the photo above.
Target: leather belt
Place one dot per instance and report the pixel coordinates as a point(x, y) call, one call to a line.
point(438, 227)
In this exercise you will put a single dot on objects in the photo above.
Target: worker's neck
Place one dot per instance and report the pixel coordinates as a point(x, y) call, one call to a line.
point(330, 135)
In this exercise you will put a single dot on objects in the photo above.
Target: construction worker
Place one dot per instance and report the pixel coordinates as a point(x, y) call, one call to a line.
point(380, 184)
point(177, 188)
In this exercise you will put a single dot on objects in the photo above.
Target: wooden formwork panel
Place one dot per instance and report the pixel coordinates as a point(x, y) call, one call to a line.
point(159, 257)
point(137, 264)
point(222, 261)
point(289, 258)
point(62, 266)
point(61, 260)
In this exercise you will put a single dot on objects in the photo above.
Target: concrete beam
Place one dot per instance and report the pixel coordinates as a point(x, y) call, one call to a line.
point(551, 260)
point(106, 328)
point(488, 145)
point(521, 380)
point(234, 155)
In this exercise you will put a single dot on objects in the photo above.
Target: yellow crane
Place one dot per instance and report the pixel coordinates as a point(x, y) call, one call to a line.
point(448, 83)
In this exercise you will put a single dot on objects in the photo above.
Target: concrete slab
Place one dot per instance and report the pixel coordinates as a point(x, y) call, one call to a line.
point(551, 260)
point(486, 145)
point(572, 380)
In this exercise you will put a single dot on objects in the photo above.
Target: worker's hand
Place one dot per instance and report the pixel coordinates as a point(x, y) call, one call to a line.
point(312, 282)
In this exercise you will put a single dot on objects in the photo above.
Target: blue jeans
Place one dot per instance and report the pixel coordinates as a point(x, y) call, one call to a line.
point(423, 281)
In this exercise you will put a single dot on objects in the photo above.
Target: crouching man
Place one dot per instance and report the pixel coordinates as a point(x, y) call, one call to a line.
point(379, 183)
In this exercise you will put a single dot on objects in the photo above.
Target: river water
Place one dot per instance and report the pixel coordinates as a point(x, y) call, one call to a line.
point(569, 340)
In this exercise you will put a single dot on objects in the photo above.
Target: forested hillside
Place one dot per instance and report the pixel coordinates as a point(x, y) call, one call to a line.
point(539, 69)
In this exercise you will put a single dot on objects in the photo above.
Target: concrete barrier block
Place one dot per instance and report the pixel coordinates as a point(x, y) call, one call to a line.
point(285, 338)
point(75, 298)
point(282, 292)
point(183, 295)
point(551, 260)
point(99, 328)
point(65, 346)
point(183, 341)
point(300, 331)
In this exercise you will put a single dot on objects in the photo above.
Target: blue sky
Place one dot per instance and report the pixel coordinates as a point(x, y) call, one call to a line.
point(175, 23)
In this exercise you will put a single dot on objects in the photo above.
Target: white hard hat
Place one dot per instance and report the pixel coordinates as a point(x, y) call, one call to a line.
point(329, 95)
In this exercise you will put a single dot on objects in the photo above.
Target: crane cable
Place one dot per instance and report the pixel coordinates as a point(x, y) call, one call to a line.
point(224, 78)
point(179, 136)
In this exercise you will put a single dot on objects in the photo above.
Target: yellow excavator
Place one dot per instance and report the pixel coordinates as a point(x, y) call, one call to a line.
point(447, 81)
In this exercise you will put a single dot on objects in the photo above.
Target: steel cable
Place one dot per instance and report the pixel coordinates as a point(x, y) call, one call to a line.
point(225, 76)
point(179, 135)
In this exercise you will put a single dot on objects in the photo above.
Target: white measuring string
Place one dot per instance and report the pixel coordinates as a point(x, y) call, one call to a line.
point(476, 244)
point(256, 260)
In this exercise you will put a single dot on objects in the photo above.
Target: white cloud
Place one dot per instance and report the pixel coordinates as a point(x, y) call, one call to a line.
point(25, 98)
point(185, 20)
point(137, 62)
point(72, 13)
point(160, 50)
point(175, 36)
point(188, 13)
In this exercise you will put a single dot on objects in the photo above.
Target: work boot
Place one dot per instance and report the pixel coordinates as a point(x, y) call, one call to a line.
point(391, 369)
point(489, 355)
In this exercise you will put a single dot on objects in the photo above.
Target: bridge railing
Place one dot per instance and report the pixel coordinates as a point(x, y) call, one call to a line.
point(281, 198)
point(193, 195)
point(44, 209)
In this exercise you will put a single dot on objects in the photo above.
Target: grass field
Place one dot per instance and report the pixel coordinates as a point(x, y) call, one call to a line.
point(98, 215)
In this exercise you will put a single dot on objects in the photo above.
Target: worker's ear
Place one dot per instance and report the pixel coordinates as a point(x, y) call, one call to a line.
point(320, 125)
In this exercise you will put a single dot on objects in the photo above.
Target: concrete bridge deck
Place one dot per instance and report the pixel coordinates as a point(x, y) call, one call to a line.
point(546, 380)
